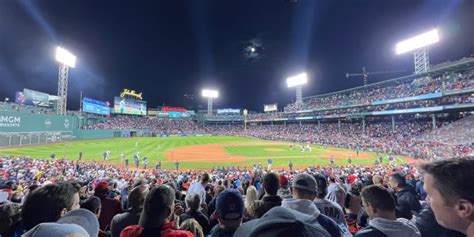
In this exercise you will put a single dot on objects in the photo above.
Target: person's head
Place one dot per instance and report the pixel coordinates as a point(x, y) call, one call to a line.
point(283, 181)
point(450, 191)
point(93, 204)
point(205, 178)
point(251, 196)
point(271, 184)
point(377, 180)
point(9, 216)
point(49, 203)
point(304, 187)
point(321, 189)
point(101, 190)
point(158, 206)
point(193, 201)
point(397, 182)
point(229, 209)
point(378, 201)
point(137, 196)
point(192, 226)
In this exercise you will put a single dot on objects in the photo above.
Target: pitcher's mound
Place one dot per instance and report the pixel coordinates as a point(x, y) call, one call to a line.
point(273, 149)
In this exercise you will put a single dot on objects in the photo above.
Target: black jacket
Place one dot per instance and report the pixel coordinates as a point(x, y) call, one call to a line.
point(370, 232)
point(408, 203)
point(199, 217)
point(429, 227)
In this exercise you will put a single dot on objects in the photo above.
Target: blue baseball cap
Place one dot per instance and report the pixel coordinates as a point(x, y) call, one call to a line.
point(230, 205)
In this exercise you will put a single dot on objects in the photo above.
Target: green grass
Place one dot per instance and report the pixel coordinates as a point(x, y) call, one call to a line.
point(154, 149)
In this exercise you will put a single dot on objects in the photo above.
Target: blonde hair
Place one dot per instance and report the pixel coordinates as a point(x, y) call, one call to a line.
point(251, 197)
point(192, 226)
point(377, 180)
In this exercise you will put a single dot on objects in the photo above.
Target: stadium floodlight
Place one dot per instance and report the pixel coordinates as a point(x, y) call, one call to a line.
point(65, 57)
point(419, 45)
point(66, 60)
point(417, 42)
point(210, 95)
point(298, 81)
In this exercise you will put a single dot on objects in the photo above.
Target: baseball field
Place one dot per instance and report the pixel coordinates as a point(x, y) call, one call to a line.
point(197, 152)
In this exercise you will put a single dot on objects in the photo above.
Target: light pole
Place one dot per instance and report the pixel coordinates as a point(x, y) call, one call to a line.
point(66, 60)
point(210, 95)
point(298, 81)
point(245, 119)
point(419, 46)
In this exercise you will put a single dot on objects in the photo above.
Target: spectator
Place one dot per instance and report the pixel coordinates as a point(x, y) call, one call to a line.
point(419, 189)
point(407, 201)
point(192, 226)
point(328, 207)
point(283, 191)
point(92, 204)
point(132, 215)
point(303, 190)
point(250, 199)
point(429, 227)
point(10, 220)
point(193, 201)
point(280, 221)
point(380, 206)
point(110, 206)
point(157, 216)
point(84, 218)
point(270, 199)
point(229, 211)
point(200, 187)
point(49, 203)
point(450, 191)
point(336, 192)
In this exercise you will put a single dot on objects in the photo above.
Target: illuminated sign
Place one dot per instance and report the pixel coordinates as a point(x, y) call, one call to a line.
point(127, 92)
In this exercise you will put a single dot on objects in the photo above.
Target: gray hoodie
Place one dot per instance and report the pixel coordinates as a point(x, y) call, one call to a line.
point(395, 228)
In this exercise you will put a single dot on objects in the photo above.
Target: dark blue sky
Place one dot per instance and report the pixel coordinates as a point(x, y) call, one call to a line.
point(166, 49)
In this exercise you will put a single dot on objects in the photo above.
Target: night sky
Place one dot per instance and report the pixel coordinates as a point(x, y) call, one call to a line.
point(167, 49)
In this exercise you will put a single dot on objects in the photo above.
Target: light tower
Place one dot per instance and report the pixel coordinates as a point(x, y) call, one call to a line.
point(66, 60)
point(298, 81)
point(209, 94)
point(419, 46)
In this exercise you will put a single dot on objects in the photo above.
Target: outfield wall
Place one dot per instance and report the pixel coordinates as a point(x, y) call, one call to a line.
point(11, 121)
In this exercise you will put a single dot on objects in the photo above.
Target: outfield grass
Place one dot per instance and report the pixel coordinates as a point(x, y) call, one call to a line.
point(155, 148)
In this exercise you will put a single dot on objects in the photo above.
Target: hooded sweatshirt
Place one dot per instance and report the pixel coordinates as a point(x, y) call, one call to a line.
point(309, 208)
point(391, 228)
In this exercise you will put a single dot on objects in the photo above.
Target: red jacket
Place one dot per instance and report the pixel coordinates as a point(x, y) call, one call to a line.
point(166, 231)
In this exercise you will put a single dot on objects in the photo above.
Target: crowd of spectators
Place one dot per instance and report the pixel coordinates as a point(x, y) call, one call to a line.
point(72, 198)
point(159, 125)
point(403, 138)
point(364, 96)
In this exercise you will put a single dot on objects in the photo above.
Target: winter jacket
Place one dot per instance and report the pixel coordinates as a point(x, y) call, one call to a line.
point(407, 203)
point(260, 207)
point(309, 208)
point(199, 217)
point(379, 227)
point(120, 221)
point(429, 227)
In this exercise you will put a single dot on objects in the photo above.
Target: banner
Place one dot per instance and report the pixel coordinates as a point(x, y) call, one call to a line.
point(95, 106)
point(228, 111)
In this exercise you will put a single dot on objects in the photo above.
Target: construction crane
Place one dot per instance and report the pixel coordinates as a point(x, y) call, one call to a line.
point(365, 74)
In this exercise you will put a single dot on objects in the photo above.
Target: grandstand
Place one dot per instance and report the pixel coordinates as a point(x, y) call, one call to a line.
point(415, 115)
